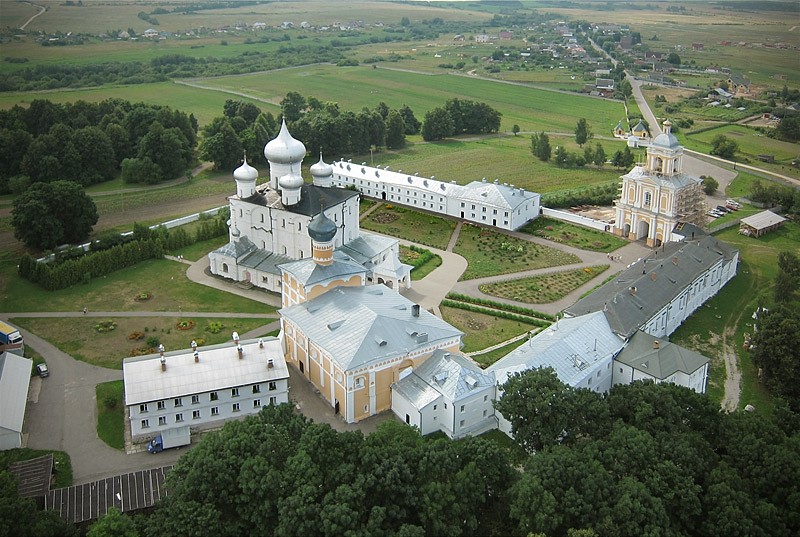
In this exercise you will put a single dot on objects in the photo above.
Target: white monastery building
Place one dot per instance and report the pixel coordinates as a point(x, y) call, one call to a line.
point(202, 390)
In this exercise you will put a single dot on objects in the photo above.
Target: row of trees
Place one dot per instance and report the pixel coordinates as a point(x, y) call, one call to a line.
point(644, 459)
point(91, 142)
point(460, 116)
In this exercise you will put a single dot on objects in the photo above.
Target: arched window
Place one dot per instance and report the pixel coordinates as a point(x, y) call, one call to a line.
point(224, 267)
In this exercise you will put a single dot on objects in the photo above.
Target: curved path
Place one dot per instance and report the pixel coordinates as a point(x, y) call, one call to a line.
point(42, 9)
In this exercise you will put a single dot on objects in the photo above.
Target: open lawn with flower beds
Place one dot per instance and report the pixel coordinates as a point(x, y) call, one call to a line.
point(490, 253)
point(572, 235)
point(410, 225)
point(423, 261)
point(545, 288)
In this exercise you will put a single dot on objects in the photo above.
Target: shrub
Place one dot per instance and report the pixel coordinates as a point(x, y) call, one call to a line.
point(153, 342)
point(215, 327)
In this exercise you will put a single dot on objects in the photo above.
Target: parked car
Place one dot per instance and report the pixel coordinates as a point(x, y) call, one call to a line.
point(722, 209)
point(42, 371)
point(733, 203)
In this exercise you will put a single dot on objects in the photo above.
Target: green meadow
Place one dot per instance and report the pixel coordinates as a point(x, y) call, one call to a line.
point(751, 143)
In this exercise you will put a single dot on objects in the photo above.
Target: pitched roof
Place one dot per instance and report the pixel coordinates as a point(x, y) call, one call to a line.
point(570, 347)
point(359, 325)
point(452, 375)
point(660, 361)
point(307, 271)
point(15, 377)
point(311, 198)
point(647, 285)
point(366, 246)
point(763, 220)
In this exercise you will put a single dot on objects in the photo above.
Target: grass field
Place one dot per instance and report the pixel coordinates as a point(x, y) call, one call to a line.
point(488, 358)
point(545, 288)
point(410, 225)
point(572, 235)
point(751, 143)
point(111, 413)
point(482, 331)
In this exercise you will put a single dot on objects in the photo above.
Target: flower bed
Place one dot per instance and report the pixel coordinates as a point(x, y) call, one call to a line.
point(106, 326)
point(143, 296)
point(185, 325)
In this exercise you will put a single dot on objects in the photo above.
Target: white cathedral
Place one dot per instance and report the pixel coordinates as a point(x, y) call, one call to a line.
point(268, 226)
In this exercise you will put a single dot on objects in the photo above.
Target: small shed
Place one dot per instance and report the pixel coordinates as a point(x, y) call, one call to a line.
point(760, 224)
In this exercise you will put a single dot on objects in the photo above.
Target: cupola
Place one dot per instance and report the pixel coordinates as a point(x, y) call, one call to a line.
point(282, 152)
point(246, 177)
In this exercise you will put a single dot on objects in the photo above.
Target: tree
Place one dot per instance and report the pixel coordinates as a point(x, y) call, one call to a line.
point(710, 184)
point(723, 146)
point(113, 524)
point(395, 130)
point(674, 59)
point(562, 157)
point(625, 88)
point(438, 124)
point(599, 155)
point(540, 146)
point(140, 170)
point(412, 124)
point(168, 148)
point(49, 214)
point(515, 129)
point(221, 145)
point(582, 132)
point(776, 351)
point(293, 106)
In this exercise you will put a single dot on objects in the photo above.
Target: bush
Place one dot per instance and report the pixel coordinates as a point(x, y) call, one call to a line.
point(215, 327)
point(153, 342)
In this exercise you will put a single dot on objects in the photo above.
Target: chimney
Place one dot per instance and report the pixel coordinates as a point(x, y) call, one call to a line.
point(241, 351)
point(415, 310)
point(270, 363)
point(656, 344)
point(196, 356)
point(163, 363)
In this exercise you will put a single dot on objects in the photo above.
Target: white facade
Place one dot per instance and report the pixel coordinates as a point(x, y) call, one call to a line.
point(15, 377)
point(489, 203)
point(220, 386)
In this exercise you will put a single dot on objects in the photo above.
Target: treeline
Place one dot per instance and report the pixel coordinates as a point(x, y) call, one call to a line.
point(109, 254)
point(644, 459)
point(55, 76)
point(460, 116)
point(773, 194)
point(602, 194)
point(89, 143)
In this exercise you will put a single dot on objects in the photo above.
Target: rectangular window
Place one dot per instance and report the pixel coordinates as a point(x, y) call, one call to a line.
point(234, 392)
point(235, 407)
point(485, 398)
point(195, 414)
point(162, 420)
point(462, 204)
point(145, 424)
point(461, 423)
point(256, 403)
point(445, 406)
point(273, 401)
point(195, 399)
point(143, 408)
point(179, 417)
point(215, 411)
point(213, 396)
point(434, 406)
point(257, 388)
point(359, 382)
point(462, 408)
point(484, 209)
point(178, 401)
point(484, 413)
point(161, 405)
point(273, 386)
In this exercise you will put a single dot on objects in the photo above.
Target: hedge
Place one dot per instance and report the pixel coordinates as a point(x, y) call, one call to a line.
point(500, 306)
point(495, 313)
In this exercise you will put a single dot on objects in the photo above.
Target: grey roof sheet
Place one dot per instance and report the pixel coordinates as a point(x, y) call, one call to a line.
point(662, 362)
point(677, 180)
point(358, 325)
point(763, 220)
point(15, 377)
point(657, 280)
point(366, 246)
point(307, 271)
point(451, 374)
point(312, 198)
point(569, 347)
point(236, 248)
point(265, 261)
point(495, 194)
point(416, 390)
point(219, 368)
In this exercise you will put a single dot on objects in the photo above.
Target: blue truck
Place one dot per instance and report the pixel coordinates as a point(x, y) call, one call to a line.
point(170, 438)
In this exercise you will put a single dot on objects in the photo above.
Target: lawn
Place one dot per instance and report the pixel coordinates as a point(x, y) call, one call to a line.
point(481, 330)
point(488, 358)
point(751, 143)
point(111, 413)
point(410, 225)
point(166, 280)
point(573, 235)
point(545, 288)
point(490, 253)
point(79, 337)
point(62, 464)
point(421, 267)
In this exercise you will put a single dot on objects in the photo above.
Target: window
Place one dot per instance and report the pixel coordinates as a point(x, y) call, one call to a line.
point(234, 392)
point(143, 408)
point(273, 386)
point(620, 370)
point(485, 398)
point(445, 406)
point(178, 401)
point(195, 414)
point(235, 407)
point(224, 267)
point(434, 406)
point(589, 382)
point(484, 209)
point(484, 413)
point(145, 424)
point(213, 396)
point(462, 204)
point(161, 405)
point(256, 403)
point(473, 207)
point(647, 199)
point(598, 374)
point(273, 401)
point(461, 423)
point(257, 388)
point(215, 411)
point(179, 417)
point(195, 399)
point(162, 420)
point(359, 382)
point(462, 408)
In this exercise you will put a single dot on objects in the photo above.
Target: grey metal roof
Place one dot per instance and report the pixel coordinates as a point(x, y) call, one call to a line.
point(236, 248)
point(265, 261)
point(661, 362)
point(307, 271)
point(416, 390)
point(15, 377)
point(451, 374)
point(646, 286)
point(359, 325)
point(675, 180)
point(366, 246)
point(570, 347)
point(219, 368)
point(495, 194)
point(763, 220)
point(312, 198)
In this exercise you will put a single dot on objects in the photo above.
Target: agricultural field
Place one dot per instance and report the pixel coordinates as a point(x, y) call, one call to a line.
point(751, 143)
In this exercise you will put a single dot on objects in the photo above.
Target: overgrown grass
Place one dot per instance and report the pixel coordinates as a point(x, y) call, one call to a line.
point(482, 331)
point(166, 280)
point(420, 270)
point(573, 235)
point(62, 464)
point(79, 338)
point(488, 358)
point(198, 250)
point(490, 253)
point(545, 288)
point(410, 225)
point(111, 413)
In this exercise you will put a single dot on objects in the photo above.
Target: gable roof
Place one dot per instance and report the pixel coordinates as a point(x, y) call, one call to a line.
point(312, 198)
point(639, 292)
point(15, 377)
point(660, 361)
point(307, 271)
point(763, 220)
point(359, 325)
point(570, 347)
